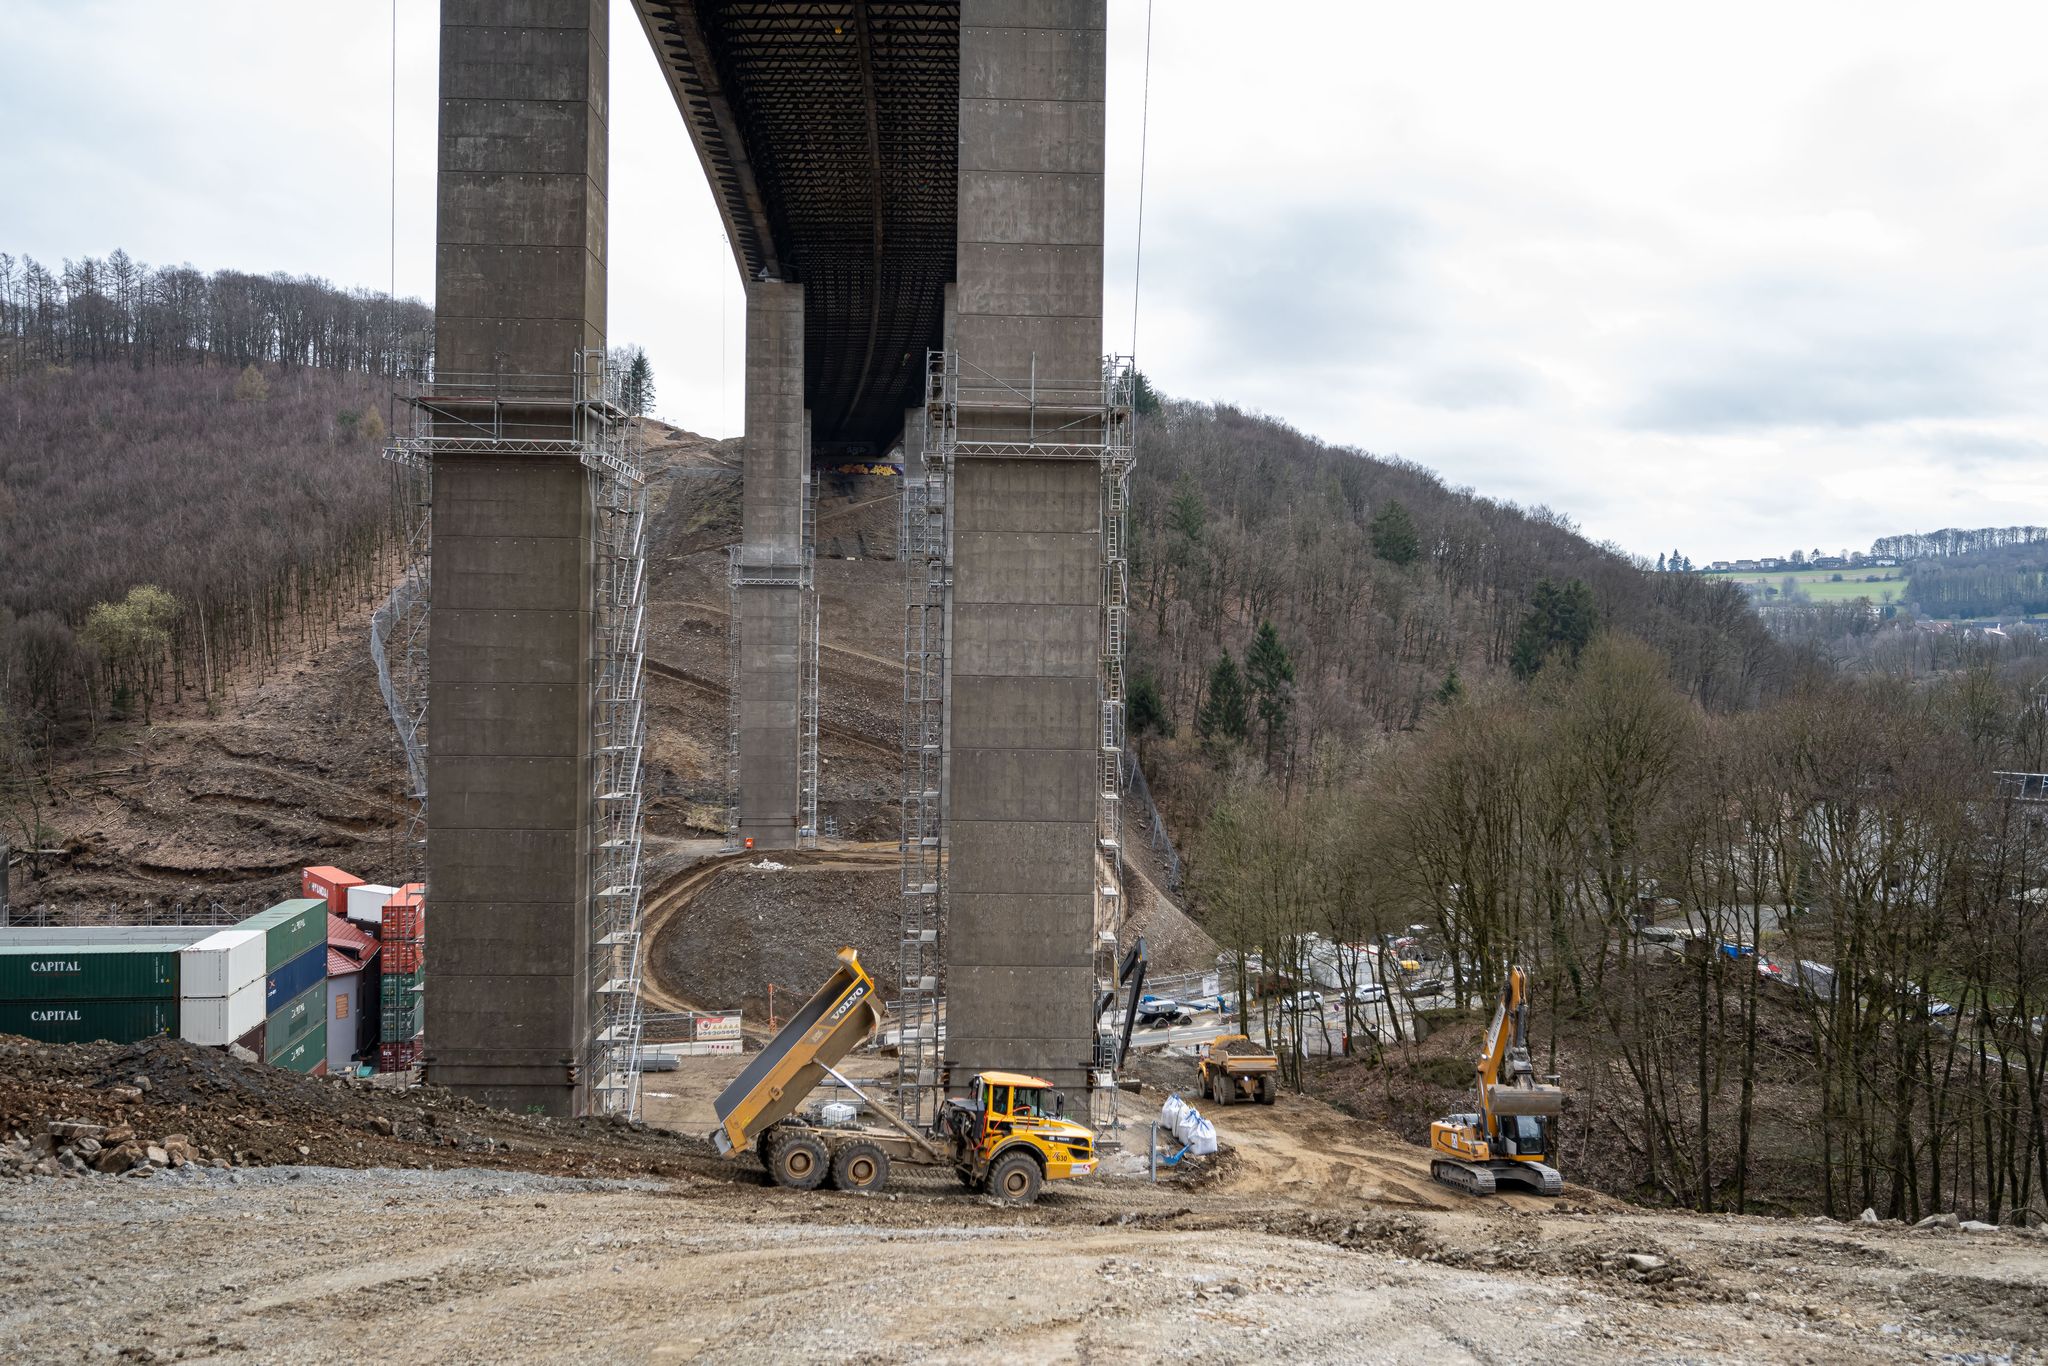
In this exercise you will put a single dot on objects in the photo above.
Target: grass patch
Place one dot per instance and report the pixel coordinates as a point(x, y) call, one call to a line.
point(1820, 585)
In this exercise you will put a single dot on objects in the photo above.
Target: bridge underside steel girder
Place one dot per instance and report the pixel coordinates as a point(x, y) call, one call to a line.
point(830, 135)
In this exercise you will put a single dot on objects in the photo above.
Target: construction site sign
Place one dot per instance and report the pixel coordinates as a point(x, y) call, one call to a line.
point(725, 1025)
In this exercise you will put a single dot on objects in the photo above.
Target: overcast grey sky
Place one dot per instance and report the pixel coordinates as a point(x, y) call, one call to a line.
point(1731, 279)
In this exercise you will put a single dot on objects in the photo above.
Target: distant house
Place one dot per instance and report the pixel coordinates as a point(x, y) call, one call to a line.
point(1827, 562)
point(1747, 566)
point(1771, 564)
point(1723, 565)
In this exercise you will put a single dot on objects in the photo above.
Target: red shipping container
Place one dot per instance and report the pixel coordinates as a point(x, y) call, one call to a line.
point(330, 885)
point(319, 1068)
point(397, 1057)
point(399, 959)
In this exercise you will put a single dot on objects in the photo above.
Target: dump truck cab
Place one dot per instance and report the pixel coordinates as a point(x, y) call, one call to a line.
point(1010, 1135)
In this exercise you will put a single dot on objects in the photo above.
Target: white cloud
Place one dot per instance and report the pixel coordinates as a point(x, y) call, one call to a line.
point(1731, 279)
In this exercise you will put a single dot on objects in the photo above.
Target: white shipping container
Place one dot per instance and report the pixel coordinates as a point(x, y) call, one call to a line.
point(366, 903)
point(219, 1020)
point(222, 964)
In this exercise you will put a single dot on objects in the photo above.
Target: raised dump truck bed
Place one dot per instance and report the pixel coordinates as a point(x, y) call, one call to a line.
point(835, 1021)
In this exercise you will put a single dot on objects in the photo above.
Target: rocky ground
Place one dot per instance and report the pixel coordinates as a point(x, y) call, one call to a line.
point(1310, 1238)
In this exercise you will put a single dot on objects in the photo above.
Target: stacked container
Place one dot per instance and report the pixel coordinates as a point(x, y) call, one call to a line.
point(222, 981)
point(295, 982)
point(76, 986)
point(329, 885)
point(404, 981)
point(366, 904)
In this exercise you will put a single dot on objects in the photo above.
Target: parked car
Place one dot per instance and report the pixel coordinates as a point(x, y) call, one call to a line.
point(1306, 1002)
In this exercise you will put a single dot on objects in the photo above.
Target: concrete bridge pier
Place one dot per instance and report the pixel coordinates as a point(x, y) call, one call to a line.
point(1024, 724)
point(519, 294)
point(772, 568)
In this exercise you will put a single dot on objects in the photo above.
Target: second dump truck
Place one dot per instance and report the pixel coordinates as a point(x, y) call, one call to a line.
point(1233, 1069)
point(1007, 1138)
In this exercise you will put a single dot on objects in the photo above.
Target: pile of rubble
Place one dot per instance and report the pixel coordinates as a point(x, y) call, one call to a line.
point(77, 1147)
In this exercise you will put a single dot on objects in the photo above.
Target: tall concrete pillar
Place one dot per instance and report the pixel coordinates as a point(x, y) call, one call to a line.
point(1023, 727)
point(777, 459)
point(519, 291)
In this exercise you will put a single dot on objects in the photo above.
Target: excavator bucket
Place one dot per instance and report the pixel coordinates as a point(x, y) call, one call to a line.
point(1542, 1101)
point(830, 1025)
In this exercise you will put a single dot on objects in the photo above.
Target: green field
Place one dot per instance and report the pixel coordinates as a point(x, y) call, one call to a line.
point(1819, 584)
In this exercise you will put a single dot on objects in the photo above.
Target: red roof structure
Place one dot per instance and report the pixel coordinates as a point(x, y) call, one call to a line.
point(348, 948)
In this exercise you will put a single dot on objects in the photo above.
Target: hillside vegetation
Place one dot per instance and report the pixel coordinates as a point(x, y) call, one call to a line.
point(259, 512)
point(188, 473)
point(1384, 588)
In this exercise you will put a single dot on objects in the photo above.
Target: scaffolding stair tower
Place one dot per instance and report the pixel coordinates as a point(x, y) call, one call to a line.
point(924, 540)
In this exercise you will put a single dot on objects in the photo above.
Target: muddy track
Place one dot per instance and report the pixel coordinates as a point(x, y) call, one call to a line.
point(670, 898)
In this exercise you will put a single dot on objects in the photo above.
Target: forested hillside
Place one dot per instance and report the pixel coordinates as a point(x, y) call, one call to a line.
point(188, 475)
point(2007, 580)
point(1384, 587)
point(95, 311)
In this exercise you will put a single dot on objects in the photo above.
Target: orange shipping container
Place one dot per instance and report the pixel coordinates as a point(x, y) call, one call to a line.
point(330, 885)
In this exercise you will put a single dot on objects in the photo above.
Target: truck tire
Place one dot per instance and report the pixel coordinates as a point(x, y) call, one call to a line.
point(798, 1162)
point(860, 1167)
point(1265, 1091)
point(1015, 1178)
point(1207, 1088)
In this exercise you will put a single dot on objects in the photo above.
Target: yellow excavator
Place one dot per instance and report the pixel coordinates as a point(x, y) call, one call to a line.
point(1512, 1138)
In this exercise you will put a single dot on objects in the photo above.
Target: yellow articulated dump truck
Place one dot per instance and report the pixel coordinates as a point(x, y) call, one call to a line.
point(1008, 1138)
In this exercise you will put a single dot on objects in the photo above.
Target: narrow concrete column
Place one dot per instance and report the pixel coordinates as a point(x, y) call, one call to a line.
point(1025, 700)
point(913, 445)
point(777, 456)
point(519, 290)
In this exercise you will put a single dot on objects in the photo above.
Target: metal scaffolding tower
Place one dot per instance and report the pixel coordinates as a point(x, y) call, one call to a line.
point(1116, 458)
point(732, 698)
point(924, 543)
point(619, 720)
point(808, 682)
point(398, 640)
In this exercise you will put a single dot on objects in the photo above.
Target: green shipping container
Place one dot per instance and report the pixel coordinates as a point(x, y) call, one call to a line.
point(291, 1021)
point(307, 1053)
point(87, 1021)
point(78, 972)
point(289, 929)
